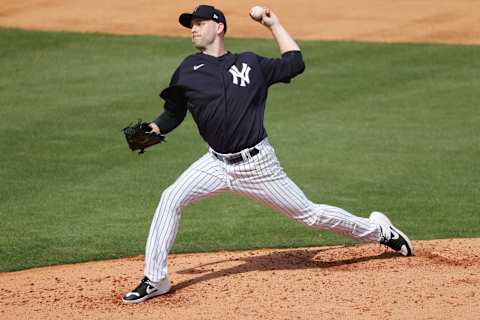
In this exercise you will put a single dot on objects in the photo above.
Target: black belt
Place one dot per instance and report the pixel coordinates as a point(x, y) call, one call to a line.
point(235, 158)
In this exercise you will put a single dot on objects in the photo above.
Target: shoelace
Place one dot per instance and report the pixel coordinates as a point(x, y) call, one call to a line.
point(143, 281)
point(148, 282)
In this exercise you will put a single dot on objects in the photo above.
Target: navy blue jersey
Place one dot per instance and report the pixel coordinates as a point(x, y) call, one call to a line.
point(226, 96)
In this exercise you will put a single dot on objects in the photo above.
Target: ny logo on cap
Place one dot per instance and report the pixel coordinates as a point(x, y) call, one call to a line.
point(242, 75)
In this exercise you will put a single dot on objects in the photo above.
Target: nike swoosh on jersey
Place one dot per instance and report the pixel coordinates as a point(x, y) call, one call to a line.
point(195, 68)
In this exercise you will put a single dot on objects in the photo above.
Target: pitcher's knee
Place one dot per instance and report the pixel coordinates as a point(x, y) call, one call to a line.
point(308, 220)
point(308, 217)
point(171, 199)
point(313, 216)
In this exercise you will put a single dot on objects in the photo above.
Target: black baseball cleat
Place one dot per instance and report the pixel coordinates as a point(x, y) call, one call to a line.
point(391, 236)
point(145, 290)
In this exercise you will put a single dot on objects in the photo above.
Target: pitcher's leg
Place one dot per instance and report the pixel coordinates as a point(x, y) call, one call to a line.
point(263, 179)
point(286, 197)
point(202, 179)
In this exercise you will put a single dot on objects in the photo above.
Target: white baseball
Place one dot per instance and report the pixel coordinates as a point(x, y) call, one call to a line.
point(256, 13)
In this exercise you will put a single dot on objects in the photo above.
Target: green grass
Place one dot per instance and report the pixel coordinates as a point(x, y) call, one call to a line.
point(367, 126)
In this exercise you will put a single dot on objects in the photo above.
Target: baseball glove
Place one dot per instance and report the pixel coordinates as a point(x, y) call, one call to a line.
point(140, 136)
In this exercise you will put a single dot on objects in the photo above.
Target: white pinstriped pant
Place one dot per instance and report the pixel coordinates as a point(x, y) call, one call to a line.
point(261, 178)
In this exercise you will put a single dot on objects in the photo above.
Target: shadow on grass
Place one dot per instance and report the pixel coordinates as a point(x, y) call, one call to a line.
point(296, 259)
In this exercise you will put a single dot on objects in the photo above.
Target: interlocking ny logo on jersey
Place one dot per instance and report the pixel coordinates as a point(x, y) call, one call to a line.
point(242, 75)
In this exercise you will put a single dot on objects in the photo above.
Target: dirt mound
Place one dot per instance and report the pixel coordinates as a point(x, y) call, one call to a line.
point(357, 282)
point(368, 20)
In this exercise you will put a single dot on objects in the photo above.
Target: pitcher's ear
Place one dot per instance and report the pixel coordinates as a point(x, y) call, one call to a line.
point(220, 28)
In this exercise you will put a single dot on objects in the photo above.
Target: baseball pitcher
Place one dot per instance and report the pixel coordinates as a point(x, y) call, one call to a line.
point(226, 94)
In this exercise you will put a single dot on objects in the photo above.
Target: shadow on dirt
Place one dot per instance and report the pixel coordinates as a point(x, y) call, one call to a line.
point(295, 259)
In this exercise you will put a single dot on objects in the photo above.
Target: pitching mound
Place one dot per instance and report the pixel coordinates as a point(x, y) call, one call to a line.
point(359, 282)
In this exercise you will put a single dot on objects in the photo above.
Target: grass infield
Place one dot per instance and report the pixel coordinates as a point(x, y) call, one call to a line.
point(392, 127)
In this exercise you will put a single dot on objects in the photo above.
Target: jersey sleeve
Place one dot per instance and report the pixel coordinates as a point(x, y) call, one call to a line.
point(175, 107)
point(282, 69)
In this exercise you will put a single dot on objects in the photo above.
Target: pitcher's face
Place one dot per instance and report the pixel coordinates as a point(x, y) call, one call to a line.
point(204, 32)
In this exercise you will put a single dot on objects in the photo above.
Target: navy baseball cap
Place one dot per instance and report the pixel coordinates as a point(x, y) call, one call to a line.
point(203, 12)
